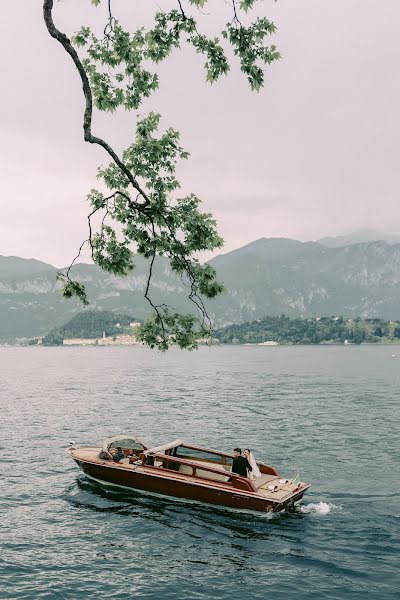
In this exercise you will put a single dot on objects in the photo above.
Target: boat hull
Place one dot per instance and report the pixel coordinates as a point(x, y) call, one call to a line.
point(179, 486)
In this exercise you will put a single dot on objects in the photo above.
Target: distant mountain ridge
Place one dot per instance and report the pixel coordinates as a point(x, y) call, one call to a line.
point(361, 236)
point(13, 266)
point(269, 276)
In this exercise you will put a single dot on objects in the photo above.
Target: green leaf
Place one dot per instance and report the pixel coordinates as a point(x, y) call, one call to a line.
point(198, 3)
point(246, 4)
point(72, 288)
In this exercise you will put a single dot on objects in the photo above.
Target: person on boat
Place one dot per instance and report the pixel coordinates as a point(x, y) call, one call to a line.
point(118, 455)
point(105, 455)
point(255, 471)
point(240, 464)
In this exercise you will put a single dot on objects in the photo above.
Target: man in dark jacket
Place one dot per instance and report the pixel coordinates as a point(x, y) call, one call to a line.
point(240, 465)
point(118, 455)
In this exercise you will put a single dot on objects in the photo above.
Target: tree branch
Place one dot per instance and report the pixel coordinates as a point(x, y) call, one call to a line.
point(146, 211)
point(75, 259)
point(235, 15)
point(87, 92)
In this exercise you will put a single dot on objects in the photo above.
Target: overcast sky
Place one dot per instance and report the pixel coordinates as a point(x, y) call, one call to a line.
point(315, 153)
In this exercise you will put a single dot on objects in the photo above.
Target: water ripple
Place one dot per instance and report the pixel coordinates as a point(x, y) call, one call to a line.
point(329, 413)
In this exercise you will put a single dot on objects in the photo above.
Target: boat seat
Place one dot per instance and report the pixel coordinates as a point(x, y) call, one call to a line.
point(186, 470)
point(213, 476)
point(259, 481)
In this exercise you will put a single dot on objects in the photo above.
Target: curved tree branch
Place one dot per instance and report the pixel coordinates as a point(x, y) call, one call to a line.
point(87, 92)
point(235, 15)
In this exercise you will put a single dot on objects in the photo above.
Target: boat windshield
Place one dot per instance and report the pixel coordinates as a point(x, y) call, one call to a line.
point(201, 454)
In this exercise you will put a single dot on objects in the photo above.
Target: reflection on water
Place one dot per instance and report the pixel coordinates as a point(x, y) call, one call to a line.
point(84, 491)
point(323, 412)
point(231, 531)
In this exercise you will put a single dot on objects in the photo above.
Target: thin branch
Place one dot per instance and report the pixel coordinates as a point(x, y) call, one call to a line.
point(104, 218)
point(90, 234)
point(193, 296)
point(146, 294)
point(181, 9)
point(109, 28)
point(75, 259)
point(235, 15)
point(186, 18)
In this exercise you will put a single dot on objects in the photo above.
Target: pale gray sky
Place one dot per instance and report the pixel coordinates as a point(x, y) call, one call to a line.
point(315, 153)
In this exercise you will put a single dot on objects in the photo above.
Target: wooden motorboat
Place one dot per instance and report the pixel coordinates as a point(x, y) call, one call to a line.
point(188, 472)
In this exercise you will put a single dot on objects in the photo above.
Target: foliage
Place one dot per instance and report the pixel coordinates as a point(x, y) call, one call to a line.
point(139, 204)
point(307, 331)
point(73, 288)
point(88, 324)
point(180, 328)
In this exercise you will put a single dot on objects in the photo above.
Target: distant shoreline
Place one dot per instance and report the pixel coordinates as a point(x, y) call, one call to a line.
point(220, 345)
point(104, 328)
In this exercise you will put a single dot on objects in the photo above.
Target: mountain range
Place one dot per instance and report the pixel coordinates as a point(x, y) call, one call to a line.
point(359, 237)
point(266, 277)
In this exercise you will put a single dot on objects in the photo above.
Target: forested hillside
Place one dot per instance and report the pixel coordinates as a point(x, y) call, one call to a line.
point(333, 330)
point(89, 324)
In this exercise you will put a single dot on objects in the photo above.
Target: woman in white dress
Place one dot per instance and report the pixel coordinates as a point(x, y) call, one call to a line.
point(255, 471)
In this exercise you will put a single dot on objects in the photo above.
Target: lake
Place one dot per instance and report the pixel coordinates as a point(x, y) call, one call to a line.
point(331, 413)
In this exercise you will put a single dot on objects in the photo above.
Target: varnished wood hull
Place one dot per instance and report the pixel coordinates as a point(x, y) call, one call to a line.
point(179, 486)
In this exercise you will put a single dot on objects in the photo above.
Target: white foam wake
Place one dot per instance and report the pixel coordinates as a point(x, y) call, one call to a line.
point(320, 508)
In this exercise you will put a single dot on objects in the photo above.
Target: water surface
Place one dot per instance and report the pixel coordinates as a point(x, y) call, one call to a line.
point(331, 413)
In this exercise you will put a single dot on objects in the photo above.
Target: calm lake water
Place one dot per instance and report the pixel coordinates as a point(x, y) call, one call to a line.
point(330, 412)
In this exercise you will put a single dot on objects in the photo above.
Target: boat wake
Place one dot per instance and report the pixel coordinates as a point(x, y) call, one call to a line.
point(319, 508)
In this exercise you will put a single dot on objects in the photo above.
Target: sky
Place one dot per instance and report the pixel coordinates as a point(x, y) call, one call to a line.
point(315, 153)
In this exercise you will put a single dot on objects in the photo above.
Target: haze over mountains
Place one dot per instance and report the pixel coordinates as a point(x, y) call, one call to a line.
point(266, 277)
point(359, 237)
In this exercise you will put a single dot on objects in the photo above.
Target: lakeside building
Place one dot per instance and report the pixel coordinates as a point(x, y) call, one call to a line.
point(117, 340)
point(122, 339)
point(80, 342)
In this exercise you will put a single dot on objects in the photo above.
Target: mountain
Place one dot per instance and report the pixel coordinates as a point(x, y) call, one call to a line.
point(265, 277)
point(359, 237)
point(13, 266)
point(275, 276)
point(32, 305)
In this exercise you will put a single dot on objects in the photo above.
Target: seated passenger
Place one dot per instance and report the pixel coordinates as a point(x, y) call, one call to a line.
point(104, 455)
point(118, 455)
point(255, 471)
point(240, 465)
